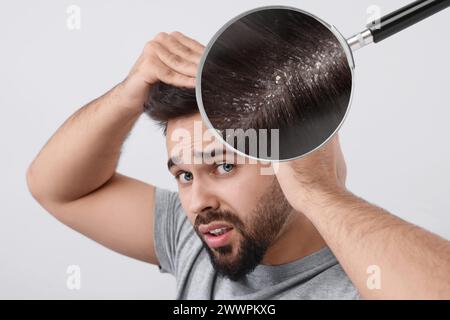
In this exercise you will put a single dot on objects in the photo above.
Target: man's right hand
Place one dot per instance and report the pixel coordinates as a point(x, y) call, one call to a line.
point(172, 58)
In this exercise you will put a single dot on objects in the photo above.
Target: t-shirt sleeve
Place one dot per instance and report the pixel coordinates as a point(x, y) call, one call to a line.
point(169, 222)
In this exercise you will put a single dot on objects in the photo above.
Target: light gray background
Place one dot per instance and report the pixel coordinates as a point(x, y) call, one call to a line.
point(395, 138)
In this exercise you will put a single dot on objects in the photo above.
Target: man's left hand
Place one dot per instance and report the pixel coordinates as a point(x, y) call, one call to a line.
point(319, 173)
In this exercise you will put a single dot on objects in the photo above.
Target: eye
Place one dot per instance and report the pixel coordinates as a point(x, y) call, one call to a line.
point(225, 168)
point(184, 177)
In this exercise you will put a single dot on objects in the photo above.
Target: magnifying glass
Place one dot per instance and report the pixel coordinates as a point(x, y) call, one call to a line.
point(276, 83)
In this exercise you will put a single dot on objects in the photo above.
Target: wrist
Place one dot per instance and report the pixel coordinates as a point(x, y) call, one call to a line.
point(131, 95)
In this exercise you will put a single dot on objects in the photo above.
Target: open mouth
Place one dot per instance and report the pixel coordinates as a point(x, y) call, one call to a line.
point(216, 235)
point(219, 231)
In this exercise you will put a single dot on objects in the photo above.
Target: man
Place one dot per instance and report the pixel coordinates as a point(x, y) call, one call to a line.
point(230, 231)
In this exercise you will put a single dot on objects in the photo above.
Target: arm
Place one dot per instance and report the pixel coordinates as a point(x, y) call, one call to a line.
point(74, 175)
point(413, 263)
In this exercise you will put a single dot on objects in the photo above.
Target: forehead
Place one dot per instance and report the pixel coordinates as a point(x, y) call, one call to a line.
point(190, 136)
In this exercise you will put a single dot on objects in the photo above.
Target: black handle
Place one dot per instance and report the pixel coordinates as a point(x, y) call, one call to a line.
point(404, 17)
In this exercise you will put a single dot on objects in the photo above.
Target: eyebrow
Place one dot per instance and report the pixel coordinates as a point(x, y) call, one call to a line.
point(212, 154)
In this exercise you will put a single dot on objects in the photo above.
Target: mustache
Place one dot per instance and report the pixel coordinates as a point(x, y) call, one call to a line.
point(216, 215)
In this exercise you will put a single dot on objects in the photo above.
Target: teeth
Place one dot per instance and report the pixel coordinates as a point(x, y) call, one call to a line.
point(219, 231)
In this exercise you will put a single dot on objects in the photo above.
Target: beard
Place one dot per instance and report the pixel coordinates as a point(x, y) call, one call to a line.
point(257, 233)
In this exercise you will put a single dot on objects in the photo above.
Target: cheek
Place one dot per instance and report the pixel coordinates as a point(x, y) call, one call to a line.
point(245, 192)
point(251, 186)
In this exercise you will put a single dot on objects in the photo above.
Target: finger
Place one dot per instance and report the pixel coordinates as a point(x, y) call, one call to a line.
point(170, 76)
point(188, 42)
point(175, 46)
point(174, 61)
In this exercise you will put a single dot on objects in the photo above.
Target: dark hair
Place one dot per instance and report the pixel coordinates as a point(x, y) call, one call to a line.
point(166, 102)
point(271, 69)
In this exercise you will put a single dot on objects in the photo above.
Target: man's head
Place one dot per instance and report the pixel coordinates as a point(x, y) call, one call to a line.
point(218, 188)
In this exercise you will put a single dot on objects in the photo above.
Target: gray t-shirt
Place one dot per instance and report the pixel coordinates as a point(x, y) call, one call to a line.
point(181, 253)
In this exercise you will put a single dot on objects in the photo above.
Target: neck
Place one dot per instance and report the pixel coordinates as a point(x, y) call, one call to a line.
point(297, 239)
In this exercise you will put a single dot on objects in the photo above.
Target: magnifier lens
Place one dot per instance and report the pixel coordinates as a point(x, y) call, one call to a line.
point(275, 83)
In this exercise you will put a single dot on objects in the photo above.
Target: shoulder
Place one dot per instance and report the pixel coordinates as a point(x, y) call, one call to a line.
point(335, 284)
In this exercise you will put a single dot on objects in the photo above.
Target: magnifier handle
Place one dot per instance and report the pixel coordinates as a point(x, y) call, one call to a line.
point(396, 21)
point(405, 17)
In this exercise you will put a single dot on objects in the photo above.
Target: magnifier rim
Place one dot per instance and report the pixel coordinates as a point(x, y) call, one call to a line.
point(342, 40)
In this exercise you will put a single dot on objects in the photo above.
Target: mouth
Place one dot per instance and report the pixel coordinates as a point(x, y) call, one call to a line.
point(216, 235)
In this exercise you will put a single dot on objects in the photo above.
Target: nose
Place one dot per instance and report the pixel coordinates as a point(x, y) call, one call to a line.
point(202, 199)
